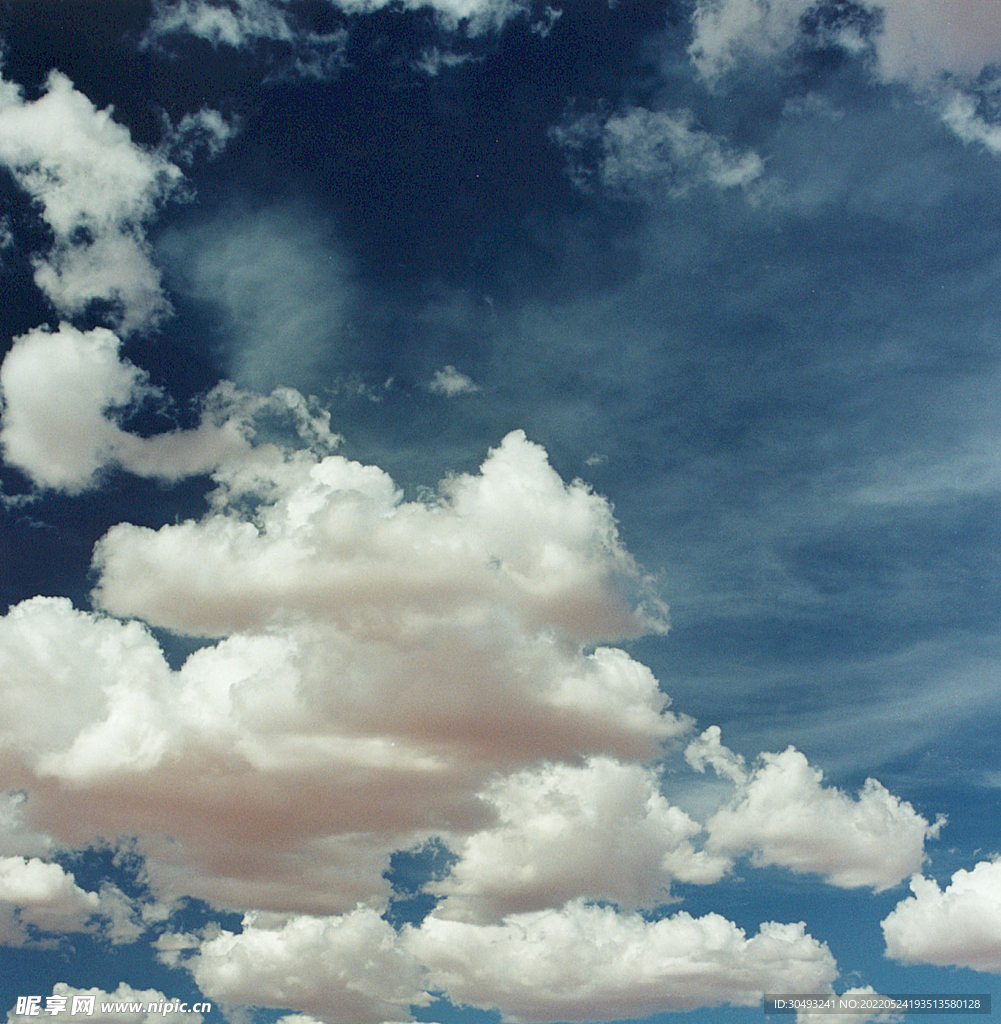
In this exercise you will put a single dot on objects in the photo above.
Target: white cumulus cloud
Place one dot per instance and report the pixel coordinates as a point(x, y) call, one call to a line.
point(594, 963)
point(382, 672)
point(450, 382)
point(350, 967)
point(782, 814)
point(957, 926)
point(603, 831)
point(108, 1006)
point(96, 190)
point(64, 391)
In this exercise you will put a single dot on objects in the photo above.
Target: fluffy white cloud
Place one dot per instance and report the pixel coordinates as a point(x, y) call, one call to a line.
point(958, 926)
point(601, 831)
point(450, 382)
point(387, 671)
point(593, 963)
point(335, 543)
point(42, 895)
point(64, 391)
point(352, 968)
point(39, 898)
point(783, 814)
point(205, 130)
point(852, 1017)
point(959, 111)
point(377, 654)
point(647, 153)
point(95, 189)
point(120, 1006)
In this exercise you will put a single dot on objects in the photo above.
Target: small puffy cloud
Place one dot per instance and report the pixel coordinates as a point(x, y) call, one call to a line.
point(592, 963)
point(95, 189)
point(783, 814)
point(123, 1005)
point(853, 1017)
point(959, 926)
point(601, 831)
point(63, 393)
point(959, 112)
point(205, 130)
point(57, 389)
point(433, 59)
point(43, 895)
point(644, 153)
point(351, 967)
point(450, 382)
point(708, 749)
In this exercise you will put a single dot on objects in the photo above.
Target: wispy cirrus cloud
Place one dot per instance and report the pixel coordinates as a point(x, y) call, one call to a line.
point(640, 153)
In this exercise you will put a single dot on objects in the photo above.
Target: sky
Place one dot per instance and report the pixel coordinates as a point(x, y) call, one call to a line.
point(499, 508)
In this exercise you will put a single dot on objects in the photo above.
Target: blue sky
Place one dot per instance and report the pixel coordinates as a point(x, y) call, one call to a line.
point(500, 506)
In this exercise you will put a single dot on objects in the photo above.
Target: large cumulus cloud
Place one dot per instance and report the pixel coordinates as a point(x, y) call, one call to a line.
point(380, 671)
